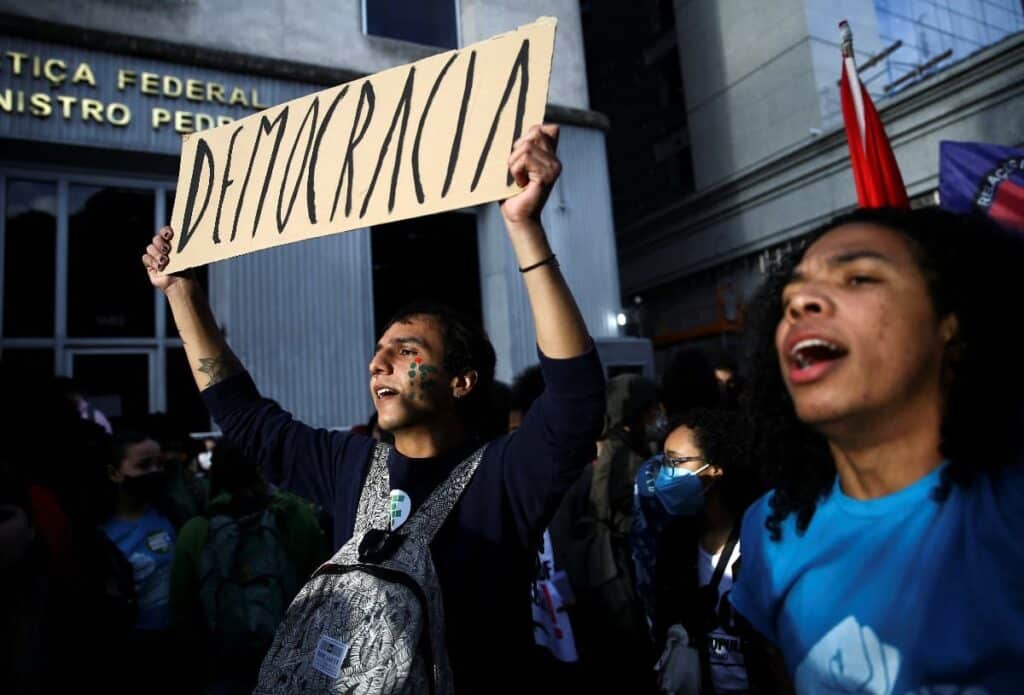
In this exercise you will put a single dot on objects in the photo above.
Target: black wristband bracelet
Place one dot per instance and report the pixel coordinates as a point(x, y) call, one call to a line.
point(550, 260)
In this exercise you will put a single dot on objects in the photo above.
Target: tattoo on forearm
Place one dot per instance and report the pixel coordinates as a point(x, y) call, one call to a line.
point(220, 367)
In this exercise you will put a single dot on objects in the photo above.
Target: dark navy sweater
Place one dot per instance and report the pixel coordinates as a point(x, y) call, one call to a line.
point(485, 552)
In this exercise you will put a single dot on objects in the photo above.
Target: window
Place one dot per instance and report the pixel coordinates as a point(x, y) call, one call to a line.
point(117, 383)
point(30, 258)
point(407, 260)
point(183, 399)
point(108, 295)
point(929, 28)
point(427, 22)
point(76, 300)
point(30, 363)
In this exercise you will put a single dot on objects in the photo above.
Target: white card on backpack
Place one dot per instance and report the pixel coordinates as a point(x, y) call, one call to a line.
point(329, 656)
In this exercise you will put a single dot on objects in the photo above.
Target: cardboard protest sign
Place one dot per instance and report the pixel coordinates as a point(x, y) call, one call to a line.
point(414, 140)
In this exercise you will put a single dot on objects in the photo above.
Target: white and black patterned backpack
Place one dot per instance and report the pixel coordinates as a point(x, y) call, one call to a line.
point(371, 619)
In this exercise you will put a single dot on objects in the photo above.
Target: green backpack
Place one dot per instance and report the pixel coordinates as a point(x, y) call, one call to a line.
point(246, 582)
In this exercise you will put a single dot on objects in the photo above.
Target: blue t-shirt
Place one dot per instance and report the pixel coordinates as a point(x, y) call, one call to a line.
point(148, 543)
point(902, 594)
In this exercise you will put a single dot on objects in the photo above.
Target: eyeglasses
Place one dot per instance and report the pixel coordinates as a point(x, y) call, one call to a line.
point(681, 461)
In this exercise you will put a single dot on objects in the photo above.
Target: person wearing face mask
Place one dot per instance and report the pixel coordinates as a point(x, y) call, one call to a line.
point(143, 534)
point(146, 537)
point(692, 499)
point(185, 493)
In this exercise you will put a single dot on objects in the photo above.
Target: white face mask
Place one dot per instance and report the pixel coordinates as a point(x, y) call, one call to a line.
point(205, 460)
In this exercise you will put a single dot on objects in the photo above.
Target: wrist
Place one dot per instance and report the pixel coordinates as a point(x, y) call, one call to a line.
point(184, 288)
point(551, 260)
point(530, 243)
point(528, 226)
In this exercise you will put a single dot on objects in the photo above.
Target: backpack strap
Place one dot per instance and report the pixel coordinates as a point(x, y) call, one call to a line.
point(431, 515)
point(372, 538)
point(723, 560)
point(374, 501)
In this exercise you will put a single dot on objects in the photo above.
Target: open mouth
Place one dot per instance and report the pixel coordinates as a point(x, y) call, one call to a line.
point(384, 392)
point(814, 351)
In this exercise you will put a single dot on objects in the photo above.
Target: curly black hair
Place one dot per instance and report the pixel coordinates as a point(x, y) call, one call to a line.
point(723, 438)
point(689, 382)
point(972, 269)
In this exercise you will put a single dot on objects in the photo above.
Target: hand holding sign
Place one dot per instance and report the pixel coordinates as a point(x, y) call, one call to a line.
point(156, 258)
point(534, 167)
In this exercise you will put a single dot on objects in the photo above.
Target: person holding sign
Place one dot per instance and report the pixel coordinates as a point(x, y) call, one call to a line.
point(427, 373)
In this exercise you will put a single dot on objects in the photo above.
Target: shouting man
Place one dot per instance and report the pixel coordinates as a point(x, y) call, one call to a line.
point(428, 375)
point(888, 557)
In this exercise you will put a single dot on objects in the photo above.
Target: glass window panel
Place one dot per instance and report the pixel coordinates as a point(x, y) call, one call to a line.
point(28, 363)
point(30, 259)
point(412, 250)
point(930, 27)
point(117, 384)
point(109, 294)
point(428, 22)
point(202, 274)
point(183, 400)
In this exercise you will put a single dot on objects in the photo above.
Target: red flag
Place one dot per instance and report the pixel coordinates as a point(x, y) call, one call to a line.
point(875, 171)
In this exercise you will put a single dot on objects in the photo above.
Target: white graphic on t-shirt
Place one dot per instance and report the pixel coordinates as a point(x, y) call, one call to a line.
point(849, 659)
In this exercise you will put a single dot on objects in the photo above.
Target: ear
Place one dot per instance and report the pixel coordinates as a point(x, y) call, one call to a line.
point(952, 349)
point(463, 384)
point(714, 472)
point(949, 328)
point(115, 474)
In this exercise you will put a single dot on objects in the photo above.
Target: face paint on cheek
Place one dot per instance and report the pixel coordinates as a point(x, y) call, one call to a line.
point(426, 374)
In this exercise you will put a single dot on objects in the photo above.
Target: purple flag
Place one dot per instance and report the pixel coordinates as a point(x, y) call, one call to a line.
point(977, 177)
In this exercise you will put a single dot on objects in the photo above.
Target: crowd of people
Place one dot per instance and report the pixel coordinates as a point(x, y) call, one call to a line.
point(838, 508)
point(130, 565)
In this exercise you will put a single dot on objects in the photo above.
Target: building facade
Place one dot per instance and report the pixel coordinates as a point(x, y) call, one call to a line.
point(769, 154)
point(94, 98)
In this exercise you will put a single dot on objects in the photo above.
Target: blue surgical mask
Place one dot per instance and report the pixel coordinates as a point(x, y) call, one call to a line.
point(680, 490)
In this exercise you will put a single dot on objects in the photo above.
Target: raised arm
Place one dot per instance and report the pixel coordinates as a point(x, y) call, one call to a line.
point(209, 356)
point(293, 455)
point(561, 332)
point(556, 440)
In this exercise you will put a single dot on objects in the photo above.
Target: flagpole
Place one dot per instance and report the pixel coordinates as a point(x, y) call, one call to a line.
point(876, 175)
point(850, 66)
